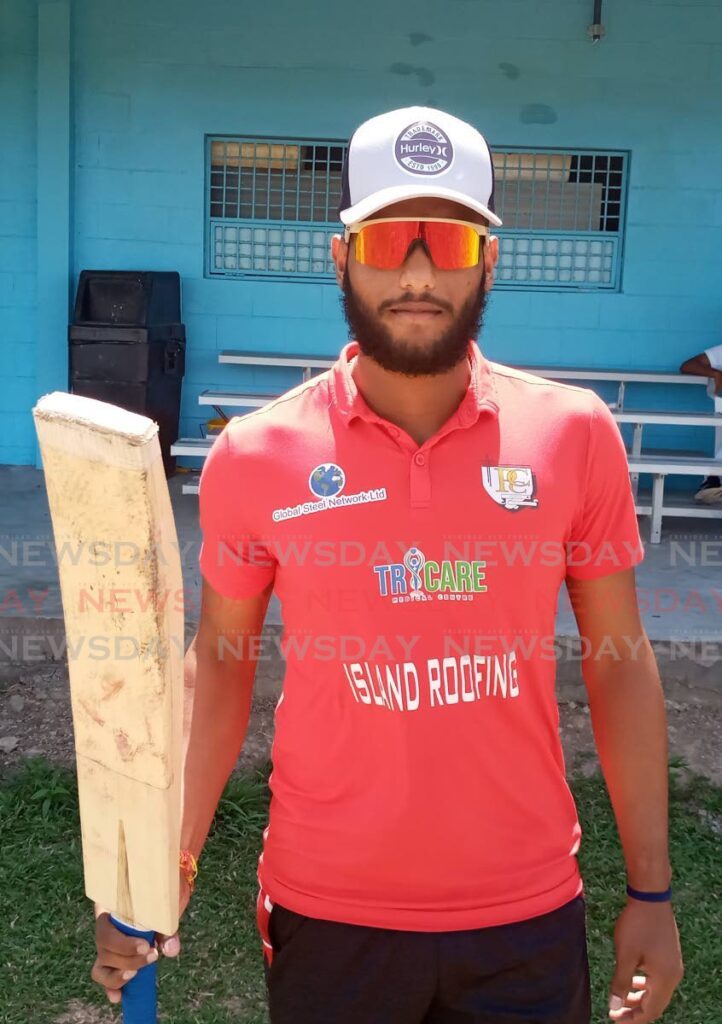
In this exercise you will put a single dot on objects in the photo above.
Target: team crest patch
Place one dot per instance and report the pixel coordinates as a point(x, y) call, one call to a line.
point(512, 487)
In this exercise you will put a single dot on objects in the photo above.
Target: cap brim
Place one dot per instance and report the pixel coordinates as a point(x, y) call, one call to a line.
point(386, 196)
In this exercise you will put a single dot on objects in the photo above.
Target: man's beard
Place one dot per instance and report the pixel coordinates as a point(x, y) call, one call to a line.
point(441, 354)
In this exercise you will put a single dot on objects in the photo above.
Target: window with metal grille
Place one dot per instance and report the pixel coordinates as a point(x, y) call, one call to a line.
point(271, 211)
point(272, 206)
point(563, 216)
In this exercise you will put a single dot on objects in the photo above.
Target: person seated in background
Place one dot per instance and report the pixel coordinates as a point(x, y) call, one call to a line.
point(709, 364)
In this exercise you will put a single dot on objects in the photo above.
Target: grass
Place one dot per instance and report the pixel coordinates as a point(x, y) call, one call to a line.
point(47, 945)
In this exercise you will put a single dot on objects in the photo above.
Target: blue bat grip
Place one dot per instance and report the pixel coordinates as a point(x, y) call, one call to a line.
point(140, 1003)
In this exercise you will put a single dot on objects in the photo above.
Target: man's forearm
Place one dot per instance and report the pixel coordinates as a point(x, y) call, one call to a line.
point(630, 728)
point(218, 695)
point(703, 369)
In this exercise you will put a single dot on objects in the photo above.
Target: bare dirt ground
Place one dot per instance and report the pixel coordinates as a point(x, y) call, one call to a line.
point(78, 1012)
point(35, 719)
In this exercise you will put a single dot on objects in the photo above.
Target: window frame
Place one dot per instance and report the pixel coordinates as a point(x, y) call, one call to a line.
point(528, 240)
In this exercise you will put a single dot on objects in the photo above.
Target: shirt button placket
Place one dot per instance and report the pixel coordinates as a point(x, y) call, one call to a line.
point(420, 480)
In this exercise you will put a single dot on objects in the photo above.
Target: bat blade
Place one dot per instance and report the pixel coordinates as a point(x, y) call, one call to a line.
point(122, 592)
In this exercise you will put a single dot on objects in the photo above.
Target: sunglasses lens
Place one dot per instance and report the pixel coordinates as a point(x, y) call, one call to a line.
point(452, 246)
point(384, 245)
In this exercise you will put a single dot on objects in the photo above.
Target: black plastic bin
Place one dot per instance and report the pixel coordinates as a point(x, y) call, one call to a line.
point(127, 346)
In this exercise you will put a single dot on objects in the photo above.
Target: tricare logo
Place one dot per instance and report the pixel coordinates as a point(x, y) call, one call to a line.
point(418, 578)
point(422, 148)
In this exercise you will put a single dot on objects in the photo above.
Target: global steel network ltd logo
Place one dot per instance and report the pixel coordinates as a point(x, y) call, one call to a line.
point(424, 149)
point(418, 578)
point(326, 482)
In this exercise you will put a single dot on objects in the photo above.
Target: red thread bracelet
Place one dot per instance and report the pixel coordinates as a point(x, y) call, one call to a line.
point(189, 867)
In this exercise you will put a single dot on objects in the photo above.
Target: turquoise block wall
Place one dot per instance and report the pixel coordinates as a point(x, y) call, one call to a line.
point(18, 223)
point(152, 77)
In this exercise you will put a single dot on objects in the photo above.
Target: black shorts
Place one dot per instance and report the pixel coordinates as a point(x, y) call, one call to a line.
point(530, 972)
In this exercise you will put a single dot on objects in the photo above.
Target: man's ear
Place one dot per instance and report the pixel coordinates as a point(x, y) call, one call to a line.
point(339, 255)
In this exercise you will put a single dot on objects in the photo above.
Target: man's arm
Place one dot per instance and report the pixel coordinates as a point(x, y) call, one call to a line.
point(700, 366)
point(220, 669)
point(629, 722)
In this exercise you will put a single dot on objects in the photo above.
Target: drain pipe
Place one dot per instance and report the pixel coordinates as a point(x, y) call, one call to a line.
point(596, 29)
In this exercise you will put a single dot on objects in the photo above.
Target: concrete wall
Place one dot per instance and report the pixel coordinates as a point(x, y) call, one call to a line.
point(151, 78)
point(18, 293)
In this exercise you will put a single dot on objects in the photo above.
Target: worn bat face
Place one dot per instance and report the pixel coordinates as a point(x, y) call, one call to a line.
point(120, 579)
point(119, 614)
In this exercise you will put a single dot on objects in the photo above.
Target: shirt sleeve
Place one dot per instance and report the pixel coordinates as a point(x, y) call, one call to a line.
point(714, 355)
point(233, 559)
point(604, 536)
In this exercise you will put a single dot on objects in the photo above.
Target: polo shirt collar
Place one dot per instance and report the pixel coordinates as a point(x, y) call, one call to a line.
point(480, 395)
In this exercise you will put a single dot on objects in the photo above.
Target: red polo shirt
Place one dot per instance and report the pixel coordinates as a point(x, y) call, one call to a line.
point(418, 777)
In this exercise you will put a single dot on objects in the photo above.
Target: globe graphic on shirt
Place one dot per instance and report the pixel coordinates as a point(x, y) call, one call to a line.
point(327, 480)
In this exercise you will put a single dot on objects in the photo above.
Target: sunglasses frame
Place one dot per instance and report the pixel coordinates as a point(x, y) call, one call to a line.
point(353, 229)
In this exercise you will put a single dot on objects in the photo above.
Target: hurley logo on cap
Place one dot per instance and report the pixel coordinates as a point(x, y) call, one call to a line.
point(422, 148)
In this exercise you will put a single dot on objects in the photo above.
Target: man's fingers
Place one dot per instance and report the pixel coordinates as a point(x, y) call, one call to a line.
point(643, 1005)
point(121, 956)
point(169, 945)
point(110, 977)
point(645, 1013)
point(108, 958)
point(632, 1010)
point(108, 937)
point(621, 985)
point(625, 1009)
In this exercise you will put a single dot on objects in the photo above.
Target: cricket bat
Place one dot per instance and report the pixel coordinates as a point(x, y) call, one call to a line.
point(121, 586)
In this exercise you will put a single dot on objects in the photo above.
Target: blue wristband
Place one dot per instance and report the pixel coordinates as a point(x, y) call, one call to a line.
point(650, 897)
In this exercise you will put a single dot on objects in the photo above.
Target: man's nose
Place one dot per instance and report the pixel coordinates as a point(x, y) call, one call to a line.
point(418, 272)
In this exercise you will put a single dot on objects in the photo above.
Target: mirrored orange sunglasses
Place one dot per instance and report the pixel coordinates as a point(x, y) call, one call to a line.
point(384, 243)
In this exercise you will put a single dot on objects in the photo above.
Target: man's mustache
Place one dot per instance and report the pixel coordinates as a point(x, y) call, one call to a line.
point(406, 301)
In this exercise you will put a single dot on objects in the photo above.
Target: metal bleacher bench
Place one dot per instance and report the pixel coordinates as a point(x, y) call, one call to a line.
point(305, 363)
point(622, 378)
point(640, 417)
point(309, 363)
point(659, 465)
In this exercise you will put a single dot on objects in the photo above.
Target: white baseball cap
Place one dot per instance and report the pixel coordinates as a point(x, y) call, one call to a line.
point(415, 152)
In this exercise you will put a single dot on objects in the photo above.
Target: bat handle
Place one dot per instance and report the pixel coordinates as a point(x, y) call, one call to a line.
point(139, 994)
